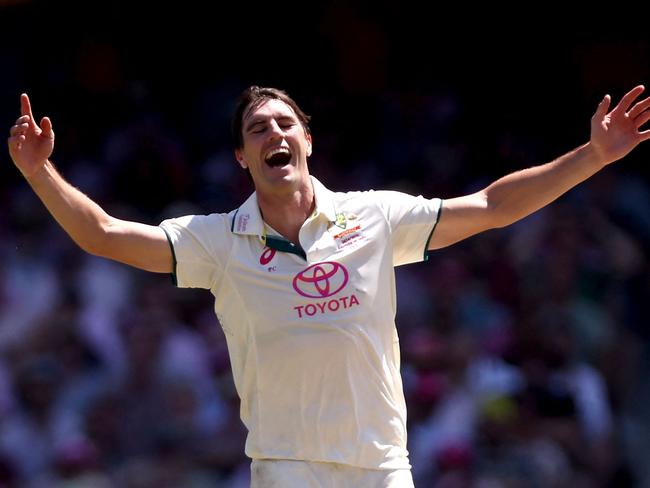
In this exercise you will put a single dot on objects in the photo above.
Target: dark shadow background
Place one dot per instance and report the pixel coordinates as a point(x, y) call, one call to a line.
point(525, 350)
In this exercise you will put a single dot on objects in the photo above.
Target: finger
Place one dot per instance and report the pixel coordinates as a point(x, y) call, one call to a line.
point(19, 129)
point(16, 141)
point(645, 135)
point(26, 107)
point(603, 107)
point(22, 119)
point(628, 98)
point(639, 107)
point(46, 127)
point(642, 119)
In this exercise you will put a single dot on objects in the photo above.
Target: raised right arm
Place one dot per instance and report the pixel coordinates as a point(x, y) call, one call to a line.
point(140, 245)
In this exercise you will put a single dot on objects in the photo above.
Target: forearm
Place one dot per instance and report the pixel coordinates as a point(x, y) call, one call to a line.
point(519, 194)
point(83, 220)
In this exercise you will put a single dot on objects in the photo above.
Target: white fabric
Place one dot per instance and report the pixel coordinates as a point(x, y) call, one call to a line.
point(300, 474)
point(313, 344)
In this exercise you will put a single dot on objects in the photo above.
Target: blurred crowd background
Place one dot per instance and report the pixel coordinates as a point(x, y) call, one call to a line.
point(525, 350)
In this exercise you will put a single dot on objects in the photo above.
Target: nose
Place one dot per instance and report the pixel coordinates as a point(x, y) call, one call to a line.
point(275, 130)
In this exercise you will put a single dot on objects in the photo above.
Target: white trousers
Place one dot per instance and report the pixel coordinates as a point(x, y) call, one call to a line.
point(273, 473)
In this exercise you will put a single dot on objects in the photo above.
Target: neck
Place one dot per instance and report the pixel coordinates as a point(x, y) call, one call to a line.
point(287, 212)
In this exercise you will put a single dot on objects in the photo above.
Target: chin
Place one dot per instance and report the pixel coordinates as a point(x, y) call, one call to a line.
point(278, 180)
point(286, 177)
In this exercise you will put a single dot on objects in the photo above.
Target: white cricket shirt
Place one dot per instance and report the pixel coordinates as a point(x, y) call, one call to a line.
point(311, 334)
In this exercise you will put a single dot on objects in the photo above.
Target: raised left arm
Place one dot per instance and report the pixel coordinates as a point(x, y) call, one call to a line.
point(613, 135)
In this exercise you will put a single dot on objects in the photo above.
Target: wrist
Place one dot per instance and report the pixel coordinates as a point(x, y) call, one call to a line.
point(37, 172)
point(594, 156)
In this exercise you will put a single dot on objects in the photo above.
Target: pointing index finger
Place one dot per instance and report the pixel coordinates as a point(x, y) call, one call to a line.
point(26, 107)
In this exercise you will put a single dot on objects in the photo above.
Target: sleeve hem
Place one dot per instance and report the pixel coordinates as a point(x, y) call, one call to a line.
point(435, 224)
point(174, 276)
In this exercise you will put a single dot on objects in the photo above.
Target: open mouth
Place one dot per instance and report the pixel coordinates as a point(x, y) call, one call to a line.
point(278, 157)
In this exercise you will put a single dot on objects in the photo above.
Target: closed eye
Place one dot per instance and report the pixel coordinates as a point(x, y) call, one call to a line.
point(259, 126)
point(258, 129)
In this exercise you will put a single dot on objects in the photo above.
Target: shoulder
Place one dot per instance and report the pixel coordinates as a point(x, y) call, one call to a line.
point(383, 200)
point(357, 197)
point(212, 231)
point(199, 222)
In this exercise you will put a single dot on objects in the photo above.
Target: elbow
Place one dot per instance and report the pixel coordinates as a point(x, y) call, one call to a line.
point(505, 215)
point(498, 221)
point(495, 216)
point(499, 213)
point(98, 243)
point(94, 248)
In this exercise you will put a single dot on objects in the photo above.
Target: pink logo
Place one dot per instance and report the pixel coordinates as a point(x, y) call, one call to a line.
point(321, 280)
point(267, 255)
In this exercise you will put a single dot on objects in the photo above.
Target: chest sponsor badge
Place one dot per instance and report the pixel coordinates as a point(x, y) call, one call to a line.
point(321, 282)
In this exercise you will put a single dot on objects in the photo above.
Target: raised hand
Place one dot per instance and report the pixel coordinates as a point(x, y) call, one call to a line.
point(616, 133)
point(30, 145)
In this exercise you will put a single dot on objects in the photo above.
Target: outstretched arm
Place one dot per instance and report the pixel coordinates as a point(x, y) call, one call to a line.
point(140, 245)
point(613, 135)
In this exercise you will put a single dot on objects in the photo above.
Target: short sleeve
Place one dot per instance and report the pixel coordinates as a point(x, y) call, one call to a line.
point(412, 221)
point(200, 245)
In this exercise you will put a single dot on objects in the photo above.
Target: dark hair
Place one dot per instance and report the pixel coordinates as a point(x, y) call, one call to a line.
point(253, 97)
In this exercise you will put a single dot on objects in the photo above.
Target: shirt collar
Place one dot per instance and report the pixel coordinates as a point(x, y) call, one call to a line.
point(324, 200)
point(248, 218)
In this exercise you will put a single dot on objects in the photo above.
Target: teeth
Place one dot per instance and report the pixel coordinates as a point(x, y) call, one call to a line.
point(277, 150)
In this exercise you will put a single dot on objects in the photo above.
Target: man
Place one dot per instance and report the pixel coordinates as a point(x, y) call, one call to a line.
point(303, 279)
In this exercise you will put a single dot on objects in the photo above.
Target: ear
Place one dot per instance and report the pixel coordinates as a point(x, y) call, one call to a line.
point(309, 145)
point(240, 158)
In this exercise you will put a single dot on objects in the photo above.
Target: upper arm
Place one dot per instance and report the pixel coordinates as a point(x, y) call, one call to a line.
point(140, 245)
point(461, 218)
point(409, 219)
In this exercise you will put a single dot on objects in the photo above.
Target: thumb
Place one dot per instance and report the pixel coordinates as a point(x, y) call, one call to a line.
point(46, 127)
point(603, 107)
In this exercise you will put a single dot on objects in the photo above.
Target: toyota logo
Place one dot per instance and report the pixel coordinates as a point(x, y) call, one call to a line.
point(321, 280)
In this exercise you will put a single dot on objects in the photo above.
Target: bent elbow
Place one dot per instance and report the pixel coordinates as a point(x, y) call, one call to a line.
point(96, 247)
point(98, 243)
point(499, 221)
point(498, 215)
point(492, 213)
